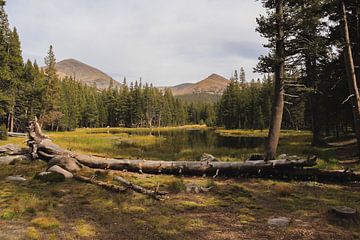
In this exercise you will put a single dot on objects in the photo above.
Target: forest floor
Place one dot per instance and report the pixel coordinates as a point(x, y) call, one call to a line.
point(233, 209)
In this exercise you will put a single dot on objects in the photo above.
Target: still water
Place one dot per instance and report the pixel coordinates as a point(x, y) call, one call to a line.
point(190, 145)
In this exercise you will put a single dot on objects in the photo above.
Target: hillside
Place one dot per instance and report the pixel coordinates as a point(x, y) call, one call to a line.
point(214, 84)
point(84, 73)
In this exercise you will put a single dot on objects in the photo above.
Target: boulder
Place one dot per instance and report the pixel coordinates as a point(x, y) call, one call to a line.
point(60, 170)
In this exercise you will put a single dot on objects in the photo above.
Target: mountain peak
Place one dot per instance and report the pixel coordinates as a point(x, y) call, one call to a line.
point(213, 84)
point(84, 73)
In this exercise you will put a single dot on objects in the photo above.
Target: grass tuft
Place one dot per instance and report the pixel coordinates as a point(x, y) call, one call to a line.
point(85, 230)
point(46, 222)
point(33, 234)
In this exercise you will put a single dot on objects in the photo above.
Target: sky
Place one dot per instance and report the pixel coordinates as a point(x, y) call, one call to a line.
point(165, 42)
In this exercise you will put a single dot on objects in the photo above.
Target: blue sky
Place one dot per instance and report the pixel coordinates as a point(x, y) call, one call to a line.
point(166, 42)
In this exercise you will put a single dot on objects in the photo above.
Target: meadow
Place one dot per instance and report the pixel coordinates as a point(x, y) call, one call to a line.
point(233, 209)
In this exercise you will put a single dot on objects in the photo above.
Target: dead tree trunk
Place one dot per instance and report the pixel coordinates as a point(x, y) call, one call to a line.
point(278, 104)
point(350, 69)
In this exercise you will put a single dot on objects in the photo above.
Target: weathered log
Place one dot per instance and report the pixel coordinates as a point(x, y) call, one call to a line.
point(15, 134)
point(154, 194)
point(108, 186)
point(190, 167)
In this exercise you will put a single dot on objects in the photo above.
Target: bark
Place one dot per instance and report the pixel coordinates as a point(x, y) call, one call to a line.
point(278, 104)
point(191, 168)
point(350, 69)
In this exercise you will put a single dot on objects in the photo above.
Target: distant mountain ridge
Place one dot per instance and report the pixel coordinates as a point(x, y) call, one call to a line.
point(84, 73)
point(213, 84)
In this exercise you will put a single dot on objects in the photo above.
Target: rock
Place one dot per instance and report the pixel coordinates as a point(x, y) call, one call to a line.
point(17, 178)
point(50, 177)
point(279, 222)
point(343, 212)
point(68, 163)
point(60, 170)
point(256, 157)
point(207, 158)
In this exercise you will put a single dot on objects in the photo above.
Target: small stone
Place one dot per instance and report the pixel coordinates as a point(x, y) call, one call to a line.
point(50, 177)
point(60, 170)
point(16, 178)
point(279, 222)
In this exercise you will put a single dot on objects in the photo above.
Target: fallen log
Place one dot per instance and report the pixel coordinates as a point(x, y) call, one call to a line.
point(154, 194)
point(108, 186)
point(15, 134)
point(191, 167)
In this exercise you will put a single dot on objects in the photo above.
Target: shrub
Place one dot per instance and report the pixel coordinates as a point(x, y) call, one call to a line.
point(3, 132)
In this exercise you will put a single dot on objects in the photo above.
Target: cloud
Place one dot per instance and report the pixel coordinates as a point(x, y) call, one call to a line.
point(165, 42)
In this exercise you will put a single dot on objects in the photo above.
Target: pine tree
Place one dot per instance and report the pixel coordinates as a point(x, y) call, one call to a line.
point(52, 96)
point(6, 86)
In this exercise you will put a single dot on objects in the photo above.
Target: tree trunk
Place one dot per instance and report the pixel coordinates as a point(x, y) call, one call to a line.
point(11, 120)
point(350, 69)
point(278, 104)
